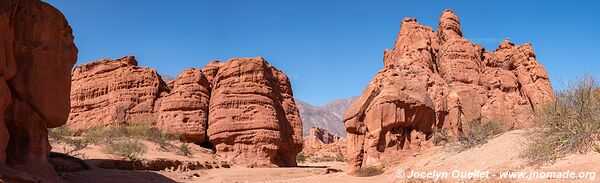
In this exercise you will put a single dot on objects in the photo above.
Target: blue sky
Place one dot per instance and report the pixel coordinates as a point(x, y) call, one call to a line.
point(330, 49)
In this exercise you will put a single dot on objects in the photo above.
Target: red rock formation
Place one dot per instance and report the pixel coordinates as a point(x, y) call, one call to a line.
point(321, 135)
point(322, 143)
point(243, 107)
point(252, 116)
point(434, 81)
point(185, 109)
point(109, 92)
point(36, 56)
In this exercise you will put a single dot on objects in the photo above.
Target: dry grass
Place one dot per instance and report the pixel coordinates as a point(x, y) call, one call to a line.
point(477, 132)
point(441, 138)
point(58, 134)
point(100, 135)
point(130, 149)
point(571, 124)
point(184, 150)
point(121, 140)
point(368, 171)
point(73, 145)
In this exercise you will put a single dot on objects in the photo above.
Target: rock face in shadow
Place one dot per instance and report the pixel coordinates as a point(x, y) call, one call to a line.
point(435, 81)
point(243, 109)
point(36, 56)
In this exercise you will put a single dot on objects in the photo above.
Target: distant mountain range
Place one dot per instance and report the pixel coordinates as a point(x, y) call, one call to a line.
point(328, 116)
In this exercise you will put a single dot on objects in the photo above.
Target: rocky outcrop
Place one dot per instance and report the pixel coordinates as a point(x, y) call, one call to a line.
point(185, 109)
point(433, 82)
point(110, 92)
point(320, 143)
point(252, 115)
point(36, 56)
point(322, 136)
point(242, 108)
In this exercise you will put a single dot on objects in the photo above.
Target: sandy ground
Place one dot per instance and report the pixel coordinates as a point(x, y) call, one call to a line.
point(500, 154)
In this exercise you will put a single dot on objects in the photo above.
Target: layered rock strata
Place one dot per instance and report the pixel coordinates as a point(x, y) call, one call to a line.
point(243, 109)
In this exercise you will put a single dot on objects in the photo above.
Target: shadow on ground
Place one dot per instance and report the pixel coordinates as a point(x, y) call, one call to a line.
point(101, 175)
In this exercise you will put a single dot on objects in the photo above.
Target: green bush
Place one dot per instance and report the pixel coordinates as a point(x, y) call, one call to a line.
point(130, 149)
point(477, 132)
point(301, 157)
point(571, 124)
point(368, 171)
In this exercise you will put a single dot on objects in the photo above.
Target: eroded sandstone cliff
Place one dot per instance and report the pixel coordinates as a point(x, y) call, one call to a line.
point(321, 143)
point(242, 108)
point(435, 81)
point(36, 56)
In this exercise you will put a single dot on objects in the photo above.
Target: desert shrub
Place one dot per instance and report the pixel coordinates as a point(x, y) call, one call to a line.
point(329, 158)
point(184, 150)
point(340, 158)
point(477, 132)
point(597, 149)
point(130, 149)
point(74, 145)
point(301, 157)
point(101, 135)
point(58, 134)
point(368, 171)
point(95, 135)
point(324, 158)
point(441, 138)
point(571, 124)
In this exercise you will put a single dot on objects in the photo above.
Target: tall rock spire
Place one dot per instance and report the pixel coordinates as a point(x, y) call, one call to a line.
point(449, 26)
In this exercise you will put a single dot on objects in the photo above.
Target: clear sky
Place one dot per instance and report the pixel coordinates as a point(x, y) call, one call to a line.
point(330, 49)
